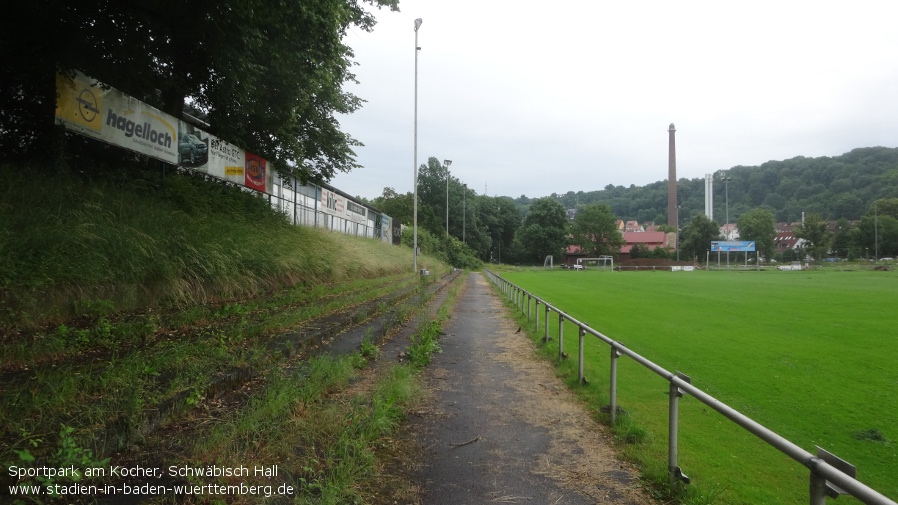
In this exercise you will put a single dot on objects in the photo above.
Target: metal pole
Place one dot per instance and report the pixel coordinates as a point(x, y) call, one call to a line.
point(580, 377)
point(817, 489)
point(464, 212)
point(613, 384)
point(447, 163)
point(560, 336)
point(674, 394)
point(536, 315)
point(546, 338)
point(415, 204)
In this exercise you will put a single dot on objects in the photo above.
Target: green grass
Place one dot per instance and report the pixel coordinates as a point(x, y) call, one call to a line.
point(811, 355)
point(67, 240)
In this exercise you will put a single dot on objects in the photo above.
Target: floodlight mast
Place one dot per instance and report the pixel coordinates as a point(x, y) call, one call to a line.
point(446, 163)
point(415, 166)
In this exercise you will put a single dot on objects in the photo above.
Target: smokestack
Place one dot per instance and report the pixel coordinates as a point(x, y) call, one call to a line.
point(672, 179)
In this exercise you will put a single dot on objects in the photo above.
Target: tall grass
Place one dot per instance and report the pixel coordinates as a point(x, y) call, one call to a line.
point(811, 355)
point(138, 241)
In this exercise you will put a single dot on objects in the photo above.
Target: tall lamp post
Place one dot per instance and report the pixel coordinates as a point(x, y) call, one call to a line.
point(446, 164)
point(415, 205)
point(464, 214)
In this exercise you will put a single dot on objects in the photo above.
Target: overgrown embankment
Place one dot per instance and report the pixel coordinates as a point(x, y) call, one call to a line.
point(138, 240)
point(184, 323)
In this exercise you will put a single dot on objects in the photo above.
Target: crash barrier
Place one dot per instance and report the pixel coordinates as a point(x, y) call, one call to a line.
point(829, 475)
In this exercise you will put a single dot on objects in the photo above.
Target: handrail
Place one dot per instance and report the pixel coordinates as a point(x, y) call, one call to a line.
point(823, 475)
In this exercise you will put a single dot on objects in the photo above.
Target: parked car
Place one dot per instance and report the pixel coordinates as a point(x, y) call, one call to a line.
point(192, 149)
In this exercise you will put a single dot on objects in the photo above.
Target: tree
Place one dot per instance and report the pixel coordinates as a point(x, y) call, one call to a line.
point(698, 235)
point(877, 231)
point(595, 230)
point(544, 230)
point(395, 205)
point(267, 75)
point(759, 225)
point(813, 231)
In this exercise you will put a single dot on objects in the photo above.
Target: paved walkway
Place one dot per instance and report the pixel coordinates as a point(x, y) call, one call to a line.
point(502, 428)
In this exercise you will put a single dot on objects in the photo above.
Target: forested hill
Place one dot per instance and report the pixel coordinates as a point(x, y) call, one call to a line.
point(835, 187)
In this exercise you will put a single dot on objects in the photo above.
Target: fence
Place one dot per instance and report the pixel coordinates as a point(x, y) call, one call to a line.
point(829, 475)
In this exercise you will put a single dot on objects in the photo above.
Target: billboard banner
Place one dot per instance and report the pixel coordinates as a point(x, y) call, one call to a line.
point(87, 108)
point(255, 172)
point(226, 161)
point(733, 246)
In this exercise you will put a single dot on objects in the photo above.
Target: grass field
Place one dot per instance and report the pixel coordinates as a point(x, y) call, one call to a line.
point(811, 355)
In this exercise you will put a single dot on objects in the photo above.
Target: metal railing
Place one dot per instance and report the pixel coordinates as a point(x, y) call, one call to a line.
point(829, 475)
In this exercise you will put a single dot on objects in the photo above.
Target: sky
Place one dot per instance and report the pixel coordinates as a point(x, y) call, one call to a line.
point(534, 98)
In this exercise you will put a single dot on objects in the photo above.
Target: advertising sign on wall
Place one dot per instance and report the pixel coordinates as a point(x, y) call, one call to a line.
point(111, 116)
point(106, 114)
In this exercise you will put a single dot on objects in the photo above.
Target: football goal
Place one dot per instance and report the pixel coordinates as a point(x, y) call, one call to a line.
point(604, 260)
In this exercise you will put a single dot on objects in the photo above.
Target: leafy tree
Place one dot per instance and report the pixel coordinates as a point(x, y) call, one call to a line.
point(595, 230)
point(544, 230)
point(640, 251)
point(813, 231)
point(877, 231)
point(759, 225)
point(395, 205)
point(697, 237)
point(843, 246)
point(267, 75)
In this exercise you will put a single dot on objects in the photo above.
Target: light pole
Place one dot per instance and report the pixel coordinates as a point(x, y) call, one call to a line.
point(464, 214)
point(415, 205)
point(446, 163)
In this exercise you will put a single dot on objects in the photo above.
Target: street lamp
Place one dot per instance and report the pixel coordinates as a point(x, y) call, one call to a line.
point(415, 205)
point(446, 163)
point(464, 214)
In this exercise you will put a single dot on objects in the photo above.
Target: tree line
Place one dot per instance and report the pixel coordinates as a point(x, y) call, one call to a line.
point(859, 220)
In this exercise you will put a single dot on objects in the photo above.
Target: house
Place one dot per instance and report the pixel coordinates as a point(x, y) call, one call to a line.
point(729, 231)
point(651, 239)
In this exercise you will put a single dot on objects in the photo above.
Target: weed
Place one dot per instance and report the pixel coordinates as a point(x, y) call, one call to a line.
point(629, 432)
point(872, 435)
point(424, 344)
point(369, 349)
point(67, 454)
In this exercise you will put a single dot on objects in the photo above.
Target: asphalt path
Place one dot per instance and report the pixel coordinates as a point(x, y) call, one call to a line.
point(500, 427)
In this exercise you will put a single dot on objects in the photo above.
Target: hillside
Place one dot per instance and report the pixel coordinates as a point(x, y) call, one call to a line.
point(835, 187)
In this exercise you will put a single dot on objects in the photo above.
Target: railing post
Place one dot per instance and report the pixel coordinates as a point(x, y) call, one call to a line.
point(817, 489)
point(546, 338)
point(674, 471)
point(612, 392)
point(560, 336)
point(580, 378)
point(536, 315)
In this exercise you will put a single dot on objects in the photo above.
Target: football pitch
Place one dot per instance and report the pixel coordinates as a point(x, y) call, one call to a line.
point(811, 355)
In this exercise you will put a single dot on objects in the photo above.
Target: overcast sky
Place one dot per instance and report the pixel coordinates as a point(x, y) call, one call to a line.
point(532, 98)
